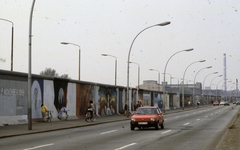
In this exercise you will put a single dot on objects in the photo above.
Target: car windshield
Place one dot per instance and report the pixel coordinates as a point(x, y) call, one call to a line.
point(146, 111)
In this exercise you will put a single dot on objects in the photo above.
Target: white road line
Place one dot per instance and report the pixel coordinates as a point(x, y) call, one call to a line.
point(187, 114)
point(186, 123)
point(206, 116)
point(39, 146)
point(211, 114)
point(177, 117)
point(108, 132)
point(198, 119)
point(126, 146)
point(166, 131)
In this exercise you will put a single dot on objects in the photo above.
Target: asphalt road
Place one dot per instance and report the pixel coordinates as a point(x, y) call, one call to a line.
point(199, 129)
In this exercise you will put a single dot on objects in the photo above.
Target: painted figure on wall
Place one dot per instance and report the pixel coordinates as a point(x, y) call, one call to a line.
point(36, 99)
point(84, 95)
point(60, 90)
point(107, 101)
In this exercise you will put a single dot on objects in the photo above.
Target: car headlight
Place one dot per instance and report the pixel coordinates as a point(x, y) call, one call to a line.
point(133, 119)
point(152, 119)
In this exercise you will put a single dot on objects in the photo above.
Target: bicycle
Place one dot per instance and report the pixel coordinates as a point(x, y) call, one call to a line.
point(89, 117)
point(49, 116)
point(66, 115)
point(128, 113)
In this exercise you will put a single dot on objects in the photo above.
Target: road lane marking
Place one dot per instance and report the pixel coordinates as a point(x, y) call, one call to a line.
point(186, 123)
point(197, 119)
point(108, 132)
point(126, 146)
point(166, 131)
point(39, 146)
point(177, 117)
point(187, 114)
point(206, 116)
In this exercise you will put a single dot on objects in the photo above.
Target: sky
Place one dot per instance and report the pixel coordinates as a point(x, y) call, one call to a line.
point(210, 27)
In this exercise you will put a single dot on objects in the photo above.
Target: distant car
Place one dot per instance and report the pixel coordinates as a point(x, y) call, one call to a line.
point(237, 102)
point(216, 103)
point(147, 116)
point(234, 102)
point(225, 103)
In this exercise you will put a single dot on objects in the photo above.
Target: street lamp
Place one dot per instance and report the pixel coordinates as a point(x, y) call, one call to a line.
point(158, 77)
point(30, 70)
point(115, 66)
point(138, 72)
point(138, 76)
point(194, 88)
point(204, 82)
point(170, 76)
point(207, 76)
point(213, 79)
point(164, 84)
point(161, 24)
point(79, 58)
point(217, 87)
point(211, 84)
point(158, 74)
point(11, 41)
point(178, 82)
point(183, 81)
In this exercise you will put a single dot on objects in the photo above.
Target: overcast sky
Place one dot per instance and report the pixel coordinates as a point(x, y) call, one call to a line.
point(211, 27)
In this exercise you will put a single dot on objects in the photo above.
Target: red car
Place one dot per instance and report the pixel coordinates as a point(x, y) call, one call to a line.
point(216, 103)
point(147, 116)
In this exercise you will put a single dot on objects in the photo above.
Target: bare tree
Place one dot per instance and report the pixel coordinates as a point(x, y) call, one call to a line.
point(52, 73)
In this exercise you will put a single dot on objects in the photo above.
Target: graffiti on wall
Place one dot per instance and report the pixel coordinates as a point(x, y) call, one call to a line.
point(37, 97)
point(60, 91)
point(107, 101)
point(13, 96)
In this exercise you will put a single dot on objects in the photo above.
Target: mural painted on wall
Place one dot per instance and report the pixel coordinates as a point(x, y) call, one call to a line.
point(84, 95)
point(37, 97)
point(107, 101)
point(60, 92)
point(122, 99)
point(13, 97)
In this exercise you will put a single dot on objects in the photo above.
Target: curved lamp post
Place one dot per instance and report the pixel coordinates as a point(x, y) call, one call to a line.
point(178, 82)
point(115, 66)
point(158, 77)
point(204, 82)
point(164, 84)
point(158, 74)
point(194, 88)
point(183, 81)
point(30, 70)
point(161, 24)
point(138, 76)
point(213, 79)
point(11, 41)
point(211, 84)
point(217, 87)
point(79, 58)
